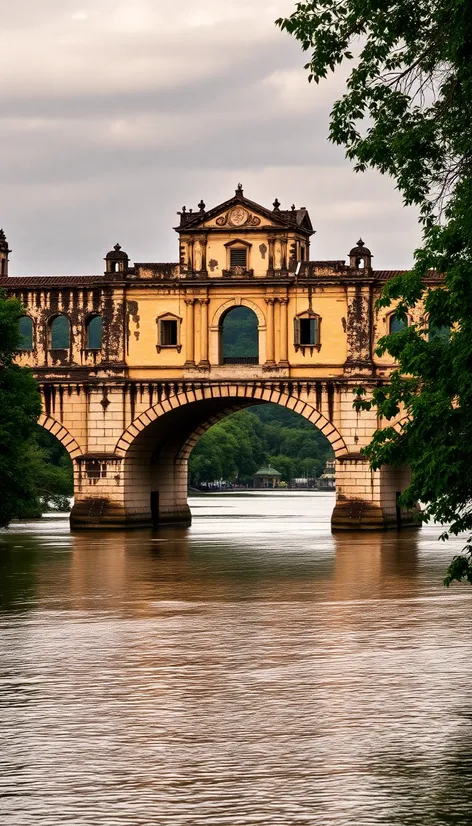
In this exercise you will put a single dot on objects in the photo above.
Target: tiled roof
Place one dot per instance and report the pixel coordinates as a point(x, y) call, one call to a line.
point(49, 281)
point(338, 263)
point(384, 275)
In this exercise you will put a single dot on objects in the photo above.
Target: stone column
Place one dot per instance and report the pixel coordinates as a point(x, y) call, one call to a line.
point(190, 333)
point(270, 360)
point(204, 302)
point(283, 332)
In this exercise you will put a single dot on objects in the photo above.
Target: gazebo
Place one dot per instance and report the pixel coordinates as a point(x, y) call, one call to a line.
point(267, 477)
point(328, 480)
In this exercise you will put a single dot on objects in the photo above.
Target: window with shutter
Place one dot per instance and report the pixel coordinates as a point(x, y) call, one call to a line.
point(168, 333)
point(306, 331)
point(238, 257)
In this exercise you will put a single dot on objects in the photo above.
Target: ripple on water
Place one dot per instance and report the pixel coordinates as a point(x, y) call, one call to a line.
point(251, 670)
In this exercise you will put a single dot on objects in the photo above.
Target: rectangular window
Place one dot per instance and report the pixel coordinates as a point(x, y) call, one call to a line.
point(308, 332)
point(168, 333)
point(238, 257)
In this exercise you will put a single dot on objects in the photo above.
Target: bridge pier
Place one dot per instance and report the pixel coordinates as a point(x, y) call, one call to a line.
point(367, 500)
point(111, 492)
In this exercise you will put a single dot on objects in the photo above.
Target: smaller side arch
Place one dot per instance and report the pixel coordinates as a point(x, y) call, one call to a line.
point(62, 435)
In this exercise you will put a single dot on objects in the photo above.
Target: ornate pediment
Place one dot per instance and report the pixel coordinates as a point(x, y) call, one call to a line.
point(241, 213)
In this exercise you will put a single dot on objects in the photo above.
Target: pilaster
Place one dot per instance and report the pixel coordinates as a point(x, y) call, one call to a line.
point(283, 362)
point(190, 332)
point(204, 302)
point(270, 345)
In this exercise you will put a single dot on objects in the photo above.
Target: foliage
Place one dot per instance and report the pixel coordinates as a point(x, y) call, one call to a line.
point(20, 406)
point(235, 448)
point(53, 475)
point(240, 333)
point(407, 111)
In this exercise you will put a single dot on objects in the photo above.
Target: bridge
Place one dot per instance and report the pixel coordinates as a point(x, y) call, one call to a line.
point(132, 366)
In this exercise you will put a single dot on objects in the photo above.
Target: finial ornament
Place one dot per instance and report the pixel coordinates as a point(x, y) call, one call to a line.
point(202, 206)
point(360, 243)
point(239, 191)
point(117, 247)
point(276, 205)
point(293, 207)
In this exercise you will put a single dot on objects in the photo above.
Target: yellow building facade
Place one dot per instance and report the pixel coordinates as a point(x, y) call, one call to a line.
point(132, 368)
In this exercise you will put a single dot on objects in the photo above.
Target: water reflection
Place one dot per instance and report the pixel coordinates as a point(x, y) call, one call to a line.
point(251, 669)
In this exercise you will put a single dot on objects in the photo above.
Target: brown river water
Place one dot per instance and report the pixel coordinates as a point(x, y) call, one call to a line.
point(252, 669)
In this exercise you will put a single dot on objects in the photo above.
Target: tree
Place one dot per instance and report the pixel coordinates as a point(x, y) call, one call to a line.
point(235, 448)
point(20, 406)
point(407, 111)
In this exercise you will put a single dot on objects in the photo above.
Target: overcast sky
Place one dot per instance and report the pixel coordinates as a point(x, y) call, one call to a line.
point(115, 113)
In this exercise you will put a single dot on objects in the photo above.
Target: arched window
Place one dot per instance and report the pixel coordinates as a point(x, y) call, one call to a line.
point(59, 333)
point(239, 337)
point(396, 324)
point(25, 328)
point(93, 330)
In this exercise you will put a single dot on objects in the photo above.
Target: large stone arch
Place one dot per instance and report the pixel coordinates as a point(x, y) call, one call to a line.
point(154, 449)
point(238, 395)
point(61, 433)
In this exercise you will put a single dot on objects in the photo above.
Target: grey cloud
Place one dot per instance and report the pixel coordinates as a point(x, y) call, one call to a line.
point(162, 117)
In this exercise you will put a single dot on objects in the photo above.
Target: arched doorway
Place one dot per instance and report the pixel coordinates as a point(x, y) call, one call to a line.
point(239, 336)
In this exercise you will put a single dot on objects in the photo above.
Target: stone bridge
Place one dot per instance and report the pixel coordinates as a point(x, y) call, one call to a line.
point(133, 365)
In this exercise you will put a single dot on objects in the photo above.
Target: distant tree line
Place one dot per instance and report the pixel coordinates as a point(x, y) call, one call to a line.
point(234, 449)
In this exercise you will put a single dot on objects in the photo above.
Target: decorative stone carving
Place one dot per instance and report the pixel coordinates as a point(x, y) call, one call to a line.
point(253, 221)
point(197, 257)
point(238, 217)
point(278, 256)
